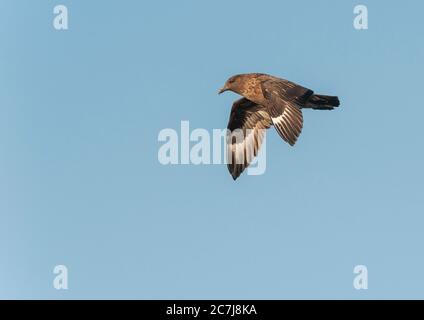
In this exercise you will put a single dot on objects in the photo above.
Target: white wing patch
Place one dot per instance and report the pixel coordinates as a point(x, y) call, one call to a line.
point(246, 131)
point(289, 124)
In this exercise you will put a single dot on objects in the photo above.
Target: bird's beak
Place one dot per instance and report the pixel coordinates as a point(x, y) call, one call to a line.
point(222, 90)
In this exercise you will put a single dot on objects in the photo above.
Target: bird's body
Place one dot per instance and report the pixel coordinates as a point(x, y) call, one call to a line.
point(267, 101)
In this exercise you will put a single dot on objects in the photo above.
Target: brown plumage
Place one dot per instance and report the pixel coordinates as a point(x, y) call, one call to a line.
point(267, 101)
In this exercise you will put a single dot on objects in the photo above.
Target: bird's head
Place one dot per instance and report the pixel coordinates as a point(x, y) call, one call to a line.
point(235, 84)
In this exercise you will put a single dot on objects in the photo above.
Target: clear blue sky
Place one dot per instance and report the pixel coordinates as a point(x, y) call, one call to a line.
point(81, 185)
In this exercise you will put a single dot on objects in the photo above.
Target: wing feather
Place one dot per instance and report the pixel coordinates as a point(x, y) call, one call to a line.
point(283, 108)
point(246, 130)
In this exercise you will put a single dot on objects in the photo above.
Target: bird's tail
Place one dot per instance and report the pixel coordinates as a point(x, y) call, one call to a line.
point(321, 102)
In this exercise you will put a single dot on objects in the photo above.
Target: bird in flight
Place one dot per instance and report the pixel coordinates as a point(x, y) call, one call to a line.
point(267, 101)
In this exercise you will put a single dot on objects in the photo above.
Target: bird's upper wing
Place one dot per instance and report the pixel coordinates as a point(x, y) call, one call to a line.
point(246, 129)
point(283, 99)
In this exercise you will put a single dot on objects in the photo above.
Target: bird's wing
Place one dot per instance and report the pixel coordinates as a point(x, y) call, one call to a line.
point(288, 90)
point(282, 102)
point(246, 129)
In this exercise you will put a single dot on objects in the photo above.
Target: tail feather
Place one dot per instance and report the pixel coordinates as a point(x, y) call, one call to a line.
point(322, 102)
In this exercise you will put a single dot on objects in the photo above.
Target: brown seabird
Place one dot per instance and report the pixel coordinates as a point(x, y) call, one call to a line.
point(267, 100)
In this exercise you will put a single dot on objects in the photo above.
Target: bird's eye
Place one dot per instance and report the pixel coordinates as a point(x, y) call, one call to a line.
point(231, 80)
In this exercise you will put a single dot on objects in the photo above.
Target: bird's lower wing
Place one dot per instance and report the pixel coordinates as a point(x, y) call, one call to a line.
point(246, 130)
point(285, 114)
